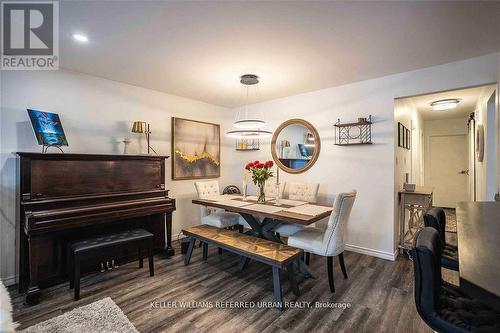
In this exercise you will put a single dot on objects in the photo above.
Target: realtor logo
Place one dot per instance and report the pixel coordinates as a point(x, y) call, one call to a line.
point(30, 35)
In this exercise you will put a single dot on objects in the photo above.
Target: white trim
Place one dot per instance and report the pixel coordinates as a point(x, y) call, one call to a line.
point(371, 252)
point(10, 280)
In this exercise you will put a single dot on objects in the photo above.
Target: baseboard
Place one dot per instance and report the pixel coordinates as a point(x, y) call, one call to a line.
point(372, 252)
point(10, 280)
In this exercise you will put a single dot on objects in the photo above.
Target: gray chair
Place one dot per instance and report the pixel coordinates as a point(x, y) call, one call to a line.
point(307, 192)
point(214, 217)
point(328, 242)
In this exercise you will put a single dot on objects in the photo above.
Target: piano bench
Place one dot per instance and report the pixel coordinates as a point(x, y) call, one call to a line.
point(97, 245)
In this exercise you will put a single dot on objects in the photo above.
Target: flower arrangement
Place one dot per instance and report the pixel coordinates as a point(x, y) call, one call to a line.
point(260, 173)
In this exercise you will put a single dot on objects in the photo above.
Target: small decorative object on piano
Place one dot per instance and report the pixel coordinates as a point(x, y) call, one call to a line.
point(48, 129)
point(260, 173)
point(126, 142)
point(409, 187)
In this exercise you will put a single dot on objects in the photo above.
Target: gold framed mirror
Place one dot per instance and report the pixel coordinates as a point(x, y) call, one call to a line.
point(295, 146)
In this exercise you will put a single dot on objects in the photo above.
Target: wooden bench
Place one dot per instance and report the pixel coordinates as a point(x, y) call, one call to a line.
point(279, 256)
point(97, 246)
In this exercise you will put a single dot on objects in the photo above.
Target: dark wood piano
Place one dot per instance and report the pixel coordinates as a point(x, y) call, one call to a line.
point(66, 197)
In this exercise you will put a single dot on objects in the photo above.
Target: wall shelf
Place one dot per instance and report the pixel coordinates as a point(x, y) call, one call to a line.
point(247, 145)
point(354, 144)
point(354, 133)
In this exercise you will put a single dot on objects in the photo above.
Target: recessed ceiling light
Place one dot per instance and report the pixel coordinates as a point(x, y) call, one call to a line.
point(445, 104)
point(80, 38)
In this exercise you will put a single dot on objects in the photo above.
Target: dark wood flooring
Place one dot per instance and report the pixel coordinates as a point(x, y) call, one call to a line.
point(380, 294)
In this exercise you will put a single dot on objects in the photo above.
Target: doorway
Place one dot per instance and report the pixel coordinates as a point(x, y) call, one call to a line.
point(443, 154)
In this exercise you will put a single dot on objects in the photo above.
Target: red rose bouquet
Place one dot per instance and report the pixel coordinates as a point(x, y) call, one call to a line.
point(260, 173)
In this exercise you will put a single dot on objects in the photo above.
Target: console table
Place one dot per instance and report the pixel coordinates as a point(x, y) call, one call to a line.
point(416, 203)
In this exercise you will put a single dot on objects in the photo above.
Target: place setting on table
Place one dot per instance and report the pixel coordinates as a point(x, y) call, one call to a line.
point(276, 208)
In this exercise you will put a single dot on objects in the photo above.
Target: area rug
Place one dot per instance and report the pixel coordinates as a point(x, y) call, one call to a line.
point(101, 316)
point(451, 220)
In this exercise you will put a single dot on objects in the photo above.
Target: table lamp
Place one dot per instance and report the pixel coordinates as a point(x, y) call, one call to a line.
point(143, 127)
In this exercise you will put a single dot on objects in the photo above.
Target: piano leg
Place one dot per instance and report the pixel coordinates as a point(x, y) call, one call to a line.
point(169, 249)
point(33, 291)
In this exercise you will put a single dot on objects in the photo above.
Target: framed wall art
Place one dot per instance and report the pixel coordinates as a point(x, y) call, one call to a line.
point(195, 149)
point(407, 139)
point(404, 136)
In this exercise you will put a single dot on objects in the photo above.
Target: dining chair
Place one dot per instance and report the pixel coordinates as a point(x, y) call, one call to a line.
point(214, 217)
point(328, 242)
point(307, 192)
point(444, 307)
point(270, 190)
point(436, 218)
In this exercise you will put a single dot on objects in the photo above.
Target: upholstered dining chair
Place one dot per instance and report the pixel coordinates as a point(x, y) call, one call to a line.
point(270, 190)
point(444, 307)
point(307, 192)
point(303, 191)
point(328, 242)
point(214, 217)
point(436, 218)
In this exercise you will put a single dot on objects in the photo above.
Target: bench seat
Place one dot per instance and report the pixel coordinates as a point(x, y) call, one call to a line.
point(279, 256)
point(99, 245)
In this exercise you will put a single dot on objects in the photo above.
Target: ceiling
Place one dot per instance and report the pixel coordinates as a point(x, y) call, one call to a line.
point(199, 49)
point(468, 101)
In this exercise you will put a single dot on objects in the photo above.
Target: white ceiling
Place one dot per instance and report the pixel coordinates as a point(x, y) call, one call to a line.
point(199, 49)
point(468, 101)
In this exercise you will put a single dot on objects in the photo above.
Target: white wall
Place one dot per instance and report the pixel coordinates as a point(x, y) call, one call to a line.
point(96, 115)
point(369, 169)
point(408, 161)
point(487, 170)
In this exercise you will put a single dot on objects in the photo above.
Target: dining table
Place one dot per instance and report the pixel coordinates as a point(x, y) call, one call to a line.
point(478, 232)
point(264, 217)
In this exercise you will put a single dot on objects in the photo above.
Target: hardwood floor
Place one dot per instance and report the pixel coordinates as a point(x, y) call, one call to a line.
point(380, 294)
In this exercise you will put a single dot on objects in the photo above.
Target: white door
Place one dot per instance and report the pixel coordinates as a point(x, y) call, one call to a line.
point(448, 168)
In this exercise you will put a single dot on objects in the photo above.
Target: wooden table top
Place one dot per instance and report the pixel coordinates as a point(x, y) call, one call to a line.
point(478, 231)
point(281, 215)
point(269, 251)
point(419, 190)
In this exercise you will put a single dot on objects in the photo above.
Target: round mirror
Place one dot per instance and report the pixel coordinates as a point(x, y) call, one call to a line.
point(295, 146)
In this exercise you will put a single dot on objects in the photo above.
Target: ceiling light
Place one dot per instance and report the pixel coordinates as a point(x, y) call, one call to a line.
point(80, 38)
point(445, 104)
point(248, 134)
point(248, 127)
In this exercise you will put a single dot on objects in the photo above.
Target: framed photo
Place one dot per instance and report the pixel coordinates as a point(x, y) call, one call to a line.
point(195, 149)
point(408, 139)
point(401, 135)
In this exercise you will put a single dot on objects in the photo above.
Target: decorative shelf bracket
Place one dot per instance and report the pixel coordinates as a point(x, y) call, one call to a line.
point(355, 133)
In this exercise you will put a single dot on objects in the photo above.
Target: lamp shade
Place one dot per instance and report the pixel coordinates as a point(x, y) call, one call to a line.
point(138, 127)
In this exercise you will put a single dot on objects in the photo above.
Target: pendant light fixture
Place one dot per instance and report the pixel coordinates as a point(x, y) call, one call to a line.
point(246, 126)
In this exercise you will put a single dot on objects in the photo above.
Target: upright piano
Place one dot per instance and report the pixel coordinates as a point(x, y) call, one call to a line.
point(67, 197)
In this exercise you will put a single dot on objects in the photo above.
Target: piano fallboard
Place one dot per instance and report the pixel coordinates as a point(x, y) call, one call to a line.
point(60, 219)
